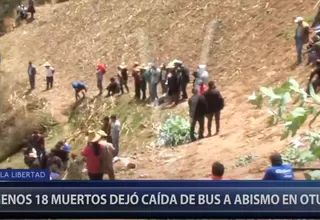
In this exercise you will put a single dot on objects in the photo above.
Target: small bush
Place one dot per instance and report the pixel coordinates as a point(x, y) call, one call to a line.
point(174, 131)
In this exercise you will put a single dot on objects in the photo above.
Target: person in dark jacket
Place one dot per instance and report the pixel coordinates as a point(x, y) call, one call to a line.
point(113, 88)
point(32, 75)
point(163, 78)
point(173, 86)
point(61, 153)
point(197, 110)
point(36, 141)
point(106, 127)
point(314, 79)
point(31, 8)
point(184, 76)
point(123, 77)
point(137, 82)
point(215, 104)
point(143, 82)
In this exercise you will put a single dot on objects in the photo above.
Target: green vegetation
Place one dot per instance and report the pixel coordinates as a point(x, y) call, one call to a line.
point(289, 105)
point(174, 131)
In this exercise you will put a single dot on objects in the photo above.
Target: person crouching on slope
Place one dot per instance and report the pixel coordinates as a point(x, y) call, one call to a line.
point(278, 170)
point(79, 87)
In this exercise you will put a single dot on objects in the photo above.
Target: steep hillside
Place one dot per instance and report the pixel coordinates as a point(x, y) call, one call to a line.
point(244, 43)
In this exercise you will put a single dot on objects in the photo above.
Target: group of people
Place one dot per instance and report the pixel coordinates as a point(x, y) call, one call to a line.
point(32, 72)
point(277, 171)
point(101, 151)
point(172, 79)
point(309, 36)
point(23, 11)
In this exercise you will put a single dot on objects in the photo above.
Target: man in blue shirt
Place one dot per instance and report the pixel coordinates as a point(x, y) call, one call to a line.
point(79, 87)
point(278, 170)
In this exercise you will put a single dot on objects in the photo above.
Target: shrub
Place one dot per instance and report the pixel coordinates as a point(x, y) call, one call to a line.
point(174, 131)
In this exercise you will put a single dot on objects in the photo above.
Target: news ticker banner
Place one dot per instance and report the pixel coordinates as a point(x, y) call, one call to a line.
point(160, 199)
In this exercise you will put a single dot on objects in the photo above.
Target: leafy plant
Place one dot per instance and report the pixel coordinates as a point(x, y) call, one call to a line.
point(244, 161)
point(290, 96)
point(297, 157)
point(174, 131)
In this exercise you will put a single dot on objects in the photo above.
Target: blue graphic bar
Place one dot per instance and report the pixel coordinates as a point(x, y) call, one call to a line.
point(160, 199)
point(24, 175)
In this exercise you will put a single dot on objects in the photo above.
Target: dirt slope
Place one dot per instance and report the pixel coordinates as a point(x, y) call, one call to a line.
point(244, 43)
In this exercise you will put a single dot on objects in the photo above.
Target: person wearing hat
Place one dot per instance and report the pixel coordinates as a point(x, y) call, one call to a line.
point(99, 155)
point(123, 77)
point(78, 87)
point(137, 82)
point(173, 84)
point(314, 79)
point(92, 153)
point(301, 36)
point(143, 82)
point(50, 75)
point(101, 70)
point(278, 170)
point(184, 76)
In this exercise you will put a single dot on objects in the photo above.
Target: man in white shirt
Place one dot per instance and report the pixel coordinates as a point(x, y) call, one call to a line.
point(115, 134)
point(49, 73)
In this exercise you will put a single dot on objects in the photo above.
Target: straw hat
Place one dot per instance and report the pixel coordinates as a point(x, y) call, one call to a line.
point(123, 66)
point(102, 133)
point(177, 61)
point(46, 64)
point(143, 67)
point(93, 136)
point(170, 65)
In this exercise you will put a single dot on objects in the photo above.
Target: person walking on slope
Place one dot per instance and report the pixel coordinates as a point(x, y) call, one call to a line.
point(50, 75)
point(115, 134)
point(278, 170)
point(123, 77)
point(197, 109)
point(215, 104)
point(101, 70)
point(78, 87)
point(32, 75)
point(314, 79)
point(301, 36)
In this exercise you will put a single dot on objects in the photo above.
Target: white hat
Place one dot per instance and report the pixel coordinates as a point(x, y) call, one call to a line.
point(177, 61)
point(46, 64)
point(298, 19)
